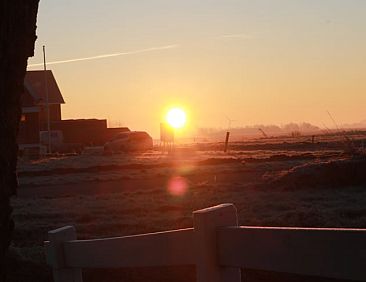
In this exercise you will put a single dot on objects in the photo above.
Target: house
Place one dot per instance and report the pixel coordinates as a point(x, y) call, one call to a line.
point(34, 109)
point(34, 117)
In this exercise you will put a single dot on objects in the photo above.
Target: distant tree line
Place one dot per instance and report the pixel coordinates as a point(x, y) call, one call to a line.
point(255, 130)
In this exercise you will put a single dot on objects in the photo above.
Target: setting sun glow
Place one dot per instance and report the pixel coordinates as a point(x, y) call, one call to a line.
point(176, 118)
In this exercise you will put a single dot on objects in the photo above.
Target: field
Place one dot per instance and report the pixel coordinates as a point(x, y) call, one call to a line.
point(274, 182)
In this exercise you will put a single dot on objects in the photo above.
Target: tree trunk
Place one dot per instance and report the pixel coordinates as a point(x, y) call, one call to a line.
point(17, 37)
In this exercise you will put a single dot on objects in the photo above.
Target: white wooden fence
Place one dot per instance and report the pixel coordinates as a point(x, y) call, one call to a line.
point(218, 248)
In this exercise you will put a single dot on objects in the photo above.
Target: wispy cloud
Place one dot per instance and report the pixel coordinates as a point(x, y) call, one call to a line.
point(235, 36)
point(108, 55)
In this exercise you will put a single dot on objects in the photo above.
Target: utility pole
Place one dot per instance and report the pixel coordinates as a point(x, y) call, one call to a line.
point(47, 100)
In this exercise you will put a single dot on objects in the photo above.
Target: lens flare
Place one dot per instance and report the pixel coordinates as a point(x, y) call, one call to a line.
point(177, 186)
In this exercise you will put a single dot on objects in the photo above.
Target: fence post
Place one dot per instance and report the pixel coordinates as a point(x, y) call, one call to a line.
point(205, 224)
point(55, 255)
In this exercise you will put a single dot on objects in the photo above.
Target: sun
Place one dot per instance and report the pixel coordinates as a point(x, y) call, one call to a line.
point(176, 118)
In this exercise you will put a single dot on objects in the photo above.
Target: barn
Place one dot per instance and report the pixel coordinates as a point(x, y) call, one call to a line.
point(34, 117)
point(34, 109)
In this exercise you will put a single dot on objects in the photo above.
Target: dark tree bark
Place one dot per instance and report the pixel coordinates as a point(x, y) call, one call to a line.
point(17, 37)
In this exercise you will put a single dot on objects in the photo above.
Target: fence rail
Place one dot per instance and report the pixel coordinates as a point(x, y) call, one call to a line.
point(154, 249)
point(333, 253)
point(218, 248)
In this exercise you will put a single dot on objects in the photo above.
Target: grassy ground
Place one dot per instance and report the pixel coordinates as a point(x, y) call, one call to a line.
point(149, 202)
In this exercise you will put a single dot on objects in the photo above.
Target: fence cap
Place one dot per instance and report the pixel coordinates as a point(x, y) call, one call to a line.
point(222, 207)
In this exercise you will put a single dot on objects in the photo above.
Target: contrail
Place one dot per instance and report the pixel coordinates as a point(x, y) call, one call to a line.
point(108, 55)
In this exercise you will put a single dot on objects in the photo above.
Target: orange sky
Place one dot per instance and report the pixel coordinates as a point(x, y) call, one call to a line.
point(267, 62)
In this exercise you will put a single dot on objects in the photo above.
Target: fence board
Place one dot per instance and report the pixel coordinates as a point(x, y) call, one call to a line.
point(152, 249)
point(206, 222)
point(333, 253)
point(55, 255)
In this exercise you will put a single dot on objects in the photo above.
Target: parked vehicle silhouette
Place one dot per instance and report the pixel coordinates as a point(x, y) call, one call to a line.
point(129, 141)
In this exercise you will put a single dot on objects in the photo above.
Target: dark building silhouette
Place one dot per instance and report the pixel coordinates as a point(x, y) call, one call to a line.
point(34, 116)
point(34, 110)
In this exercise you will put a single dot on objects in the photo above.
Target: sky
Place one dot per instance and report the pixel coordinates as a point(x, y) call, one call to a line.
point(255, 62)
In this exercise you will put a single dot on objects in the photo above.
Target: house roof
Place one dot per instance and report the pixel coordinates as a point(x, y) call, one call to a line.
point(34, 83)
